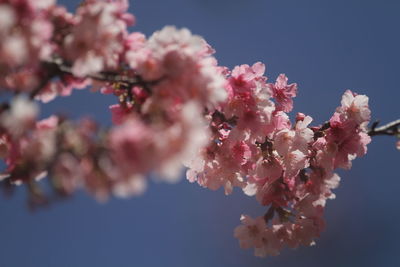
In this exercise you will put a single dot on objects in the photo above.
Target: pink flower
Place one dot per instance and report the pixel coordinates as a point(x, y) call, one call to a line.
point(132, 146)
point(356, 107)
point(243, 77)
point(249, 100)
point(283, 93)
point(241, 152)
point(120, 113)
point(63, 87)
point(271, 244)
point(96, 41)
point(178, 59)
point(325, 154)
point(351, 147)
point(22, 50)
point(267, 171)
point(135, 41)
point(69, 173)
point(251, 232)
point(180, 142)
point(47, 124)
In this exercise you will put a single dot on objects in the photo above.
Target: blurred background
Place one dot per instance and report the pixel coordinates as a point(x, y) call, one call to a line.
point(325, 47)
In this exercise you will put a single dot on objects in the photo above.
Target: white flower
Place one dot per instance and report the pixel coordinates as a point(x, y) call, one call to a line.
point(21, 115)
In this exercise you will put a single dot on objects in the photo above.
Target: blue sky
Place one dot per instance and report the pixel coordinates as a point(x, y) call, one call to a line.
point(324, 46)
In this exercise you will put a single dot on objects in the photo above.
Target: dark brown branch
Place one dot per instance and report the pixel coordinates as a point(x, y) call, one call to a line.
point(57, 67)
point(106, 76)
point(269, 215)
point(52, 70)
point(391, 128)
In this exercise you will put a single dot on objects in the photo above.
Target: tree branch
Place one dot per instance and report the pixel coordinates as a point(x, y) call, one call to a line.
point(52, 70)
point(57, 67)
point(391, 128)
point(106, 76)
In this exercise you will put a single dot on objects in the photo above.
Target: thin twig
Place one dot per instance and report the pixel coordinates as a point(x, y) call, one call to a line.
point(391, 128)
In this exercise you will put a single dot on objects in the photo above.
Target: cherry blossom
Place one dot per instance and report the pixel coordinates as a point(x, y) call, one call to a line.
point(96, 40)
point(283, 93)
point(250, 233)
point(20, 116)
point(174, 106)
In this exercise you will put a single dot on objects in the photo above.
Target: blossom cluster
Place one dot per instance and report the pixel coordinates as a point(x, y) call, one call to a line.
point(174, 106)
point(162, 85)
point(81, 155)
point(289, 168)
point(25, 31)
